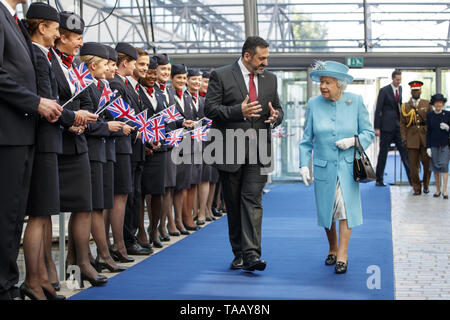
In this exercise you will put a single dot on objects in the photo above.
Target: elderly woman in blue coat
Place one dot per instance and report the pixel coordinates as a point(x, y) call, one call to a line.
point(332, 120)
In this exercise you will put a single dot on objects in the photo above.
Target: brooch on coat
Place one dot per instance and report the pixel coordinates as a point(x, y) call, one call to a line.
point(348, 101)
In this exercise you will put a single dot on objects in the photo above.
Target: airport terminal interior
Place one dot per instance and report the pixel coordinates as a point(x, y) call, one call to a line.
point(402, 249)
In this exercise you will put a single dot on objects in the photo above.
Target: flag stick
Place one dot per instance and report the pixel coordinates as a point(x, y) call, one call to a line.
point(71, 99)
point(106, 105)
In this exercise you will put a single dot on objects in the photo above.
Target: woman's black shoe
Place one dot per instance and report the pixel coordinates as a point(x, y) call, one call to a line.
point(184, 232)
point(341, 267)
point(202, 222)
point(164, 237)
point(174, 234)
point(445, 196)
point(330, 260)
point(437, 195)
point(209, 219)
point(195, 228)
point(56, 286)
point(51, 296)
point(100, 264)
point(99, 281)
point(117, 256)
point(216, 212)
point(24, 290)
point(157, 244)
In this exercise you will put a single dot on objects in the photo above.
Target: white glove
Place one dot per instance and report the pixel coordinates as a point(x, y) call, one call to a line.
point(444, 126)
point(345, 143)
point(429, 152)
point(304, 171)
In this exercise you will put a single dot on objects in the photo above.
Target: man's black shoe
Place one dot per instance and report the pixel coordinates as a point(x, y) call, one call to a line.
point(237, 263)
point(380, 184)
point(216, 212)
point(137, 250)
point(253, 263)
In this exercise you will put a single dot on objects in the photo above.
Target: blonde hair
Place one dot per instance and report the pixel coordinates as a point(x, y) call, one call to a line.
point(90, 59)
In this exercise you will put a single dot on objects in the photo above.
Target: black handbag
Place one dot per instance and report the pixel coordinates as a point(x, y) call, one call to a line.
point(362, 168)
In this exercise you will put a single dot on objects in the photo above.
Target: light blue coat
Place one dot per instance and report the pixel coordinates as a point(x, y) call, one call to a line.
point(326, 123)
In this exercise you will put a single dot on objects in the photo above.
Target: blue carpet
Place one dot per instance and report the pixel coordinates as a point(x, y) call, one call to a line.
point(197, 267)
point(392, 170)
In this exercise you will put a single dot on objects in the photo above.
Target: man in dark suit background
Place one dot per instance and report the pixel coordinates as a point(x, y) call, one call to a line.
point(387, 124)
point(243, 96)
point(20, 107)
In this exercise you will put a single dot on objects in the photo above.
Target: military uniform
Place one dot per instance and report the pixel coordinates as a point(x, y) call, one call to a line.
point(413, 130)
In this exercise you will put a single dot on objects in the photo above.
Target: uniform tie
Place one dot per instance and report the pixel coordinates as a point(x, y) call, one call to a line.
point(162, 85)
point(136, 88)
point(252, 88)
point(126, 82)
point(202, 94)
point(179, 93)
point(66, 59)
point(150, 91)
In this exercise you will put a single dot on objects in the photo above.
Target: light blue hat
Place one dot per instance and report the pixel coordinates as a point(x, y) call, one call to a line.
point(330, 69)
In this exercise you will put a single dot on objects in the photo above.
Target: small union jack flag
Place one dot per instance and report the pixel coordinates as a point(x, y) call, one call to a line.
point(158, 129)
point(120, 109)
point(278, 132)
point(143, 125)
point(208, 122)
point(199, 134)
point(107, 95)
point(80, 77)
point(173, 138)
point(171, 114)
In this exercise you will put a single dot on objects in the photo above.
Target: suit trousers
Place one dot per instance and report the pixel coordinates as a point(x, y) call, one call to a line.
point(386, 138)
point(242, 192)
point(16, 163)
point(132, 210)
point(416, 156)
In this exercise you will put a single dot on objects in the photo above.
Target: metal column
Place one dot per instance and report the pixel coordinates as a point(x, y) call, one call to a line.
point(251, 18)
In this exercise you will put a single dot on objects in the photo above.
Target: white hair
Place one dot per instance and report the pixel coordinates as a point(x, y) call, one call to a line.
point(342, 84)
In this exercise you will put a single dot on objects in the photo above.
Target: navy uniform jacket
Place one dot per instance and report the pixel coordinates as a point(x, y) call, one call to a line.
point(72, 143)
point(188, 114)
point(18, 84)
point(173, 125)
point(123, 143)
point(49, 135)
point(98, 131)
point(146, 104)
point(387, 113)
point(137, 146)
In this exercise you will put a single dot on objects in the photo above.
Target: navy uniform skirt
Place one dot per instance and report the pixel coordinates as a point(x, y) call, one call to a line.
point(153, 177)
point(215, 177)
point(44, 188)
point(123, 183)
point(108, 184)
point(170, 175)
point(206, 173)
point(75, 183)
point(98, 199)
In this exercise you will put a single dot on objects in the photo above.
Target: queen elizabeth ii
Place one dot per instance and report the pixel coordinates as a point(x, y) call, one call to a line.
point(332, 120)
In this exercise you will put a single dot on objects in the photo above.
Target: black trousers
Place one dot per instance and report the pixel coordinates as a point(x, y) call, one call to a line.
point(132, 210)
point(242, 191)
point(16, 163)
point(386, 138)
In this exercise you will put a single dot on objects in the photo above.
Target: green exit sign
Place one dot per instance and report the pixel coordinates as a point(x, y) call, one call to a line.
point(354, 62)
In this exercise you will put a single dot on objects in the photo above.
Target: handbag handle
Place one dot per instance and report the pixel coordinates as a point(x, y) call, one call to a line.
point(359, 147)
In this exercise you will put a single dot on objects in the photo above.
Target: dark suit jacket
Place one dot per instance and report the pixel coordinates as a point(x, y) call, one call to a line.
point(97, 132)
point(49, 135)
point(18, 84)
point(226, 92)
point(137, 146)
point(387, 111)
point(123, 143)
point(72, 143)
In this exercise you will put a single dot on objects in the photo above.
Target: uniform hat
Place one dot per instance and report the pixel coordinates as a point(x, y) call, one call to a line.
point(415, 85)
point(71, 22)
point(153, 63)
point(178, 69)
point(40, 10)
point(112, 53)
point(206, 74)
point(128, 49)
point(94, 49)
point(194, 73)
point(437, 97)
point(332, 69)
point(162, 59)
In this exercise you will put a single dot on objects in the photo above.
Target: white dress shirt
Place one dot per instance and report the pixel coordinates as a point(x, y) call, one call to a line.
point(180, 101)
point(66, 73)
point(195, 104)
point(394, 89)
point(152, 99)
point(245, 74)
point(133, 82)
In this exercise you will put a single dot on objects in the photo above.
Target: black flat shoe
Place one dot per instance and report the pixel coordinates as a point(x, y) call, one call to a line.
point(50, 296)
point(216, 212)
point(195, 228)
point(237, 263)
point(202, 222)
point(437, 195)
point(117, 256)
point(157, 244)
point(97, 282)
point(330, 260)
point(341, 267)
point(174, 234)
point(100, 264)
point(254, 263)
point(25, 291)
point(445, 196)
point(56, 286)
